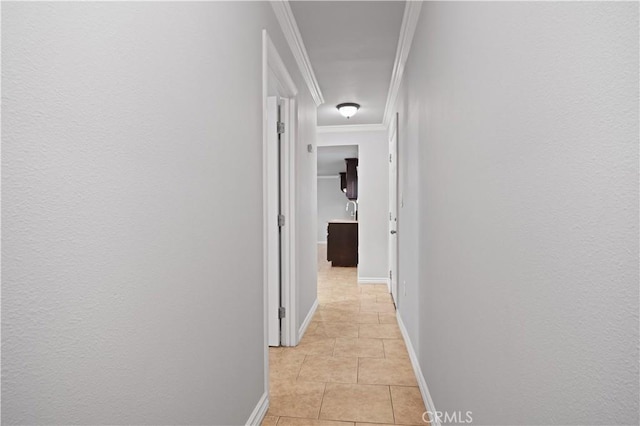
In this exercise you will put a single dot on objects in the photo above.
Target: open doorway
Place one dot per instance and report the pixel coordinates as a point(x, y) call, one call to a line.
point(279, 124)
point(337, 229)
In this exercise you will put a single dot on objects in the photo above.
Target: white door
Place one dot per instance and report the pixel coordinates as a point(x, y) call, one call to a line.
point(393, 211)
point(273, 228)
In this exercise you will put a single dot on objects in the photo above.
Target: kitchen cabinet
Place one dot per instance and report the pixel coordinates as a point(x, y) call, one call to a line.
point(352, 178)
point(342, 243)
point(343, 182)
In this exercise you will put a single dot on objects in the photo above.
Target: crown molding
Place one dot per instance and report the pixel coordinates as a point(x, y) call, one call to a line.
point(287, 21)
point(352, 128)
point(408, 28)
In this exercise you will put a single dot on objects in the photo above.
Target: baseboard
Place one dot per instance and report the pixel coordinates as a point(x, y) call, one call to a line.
point(307, 320)
point(373, 280)
point(422, 383)
point(260, 411)
point(322, 242)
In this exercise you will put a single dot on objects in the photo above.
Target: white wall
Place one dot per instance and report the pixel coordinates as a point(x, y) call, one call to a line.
point(373, 199)
point(332, 203)
point(132, 211)
point(520, 128)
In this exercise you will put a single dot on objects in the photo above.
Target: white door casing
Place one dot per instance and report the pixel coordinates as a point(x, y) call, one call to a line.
point(273, 232)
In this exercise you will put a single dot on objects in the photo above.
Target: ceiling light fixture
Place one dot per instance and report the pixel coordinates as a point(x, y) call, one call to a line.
point(348, 109)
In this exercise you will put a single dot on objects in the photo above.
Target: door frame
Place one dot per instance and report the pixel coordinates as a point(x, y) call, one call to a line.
point(393, 253)
point(273, 66)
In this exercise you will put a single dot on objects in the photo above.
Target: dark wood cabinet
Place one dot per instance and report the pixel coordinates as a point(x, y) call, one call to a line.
point(342, 243)
point(352, 178)
point(343, 182)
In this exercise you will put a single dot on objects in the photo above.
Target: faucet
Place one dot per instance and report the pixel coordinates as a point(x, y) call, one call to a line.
point(355, 208)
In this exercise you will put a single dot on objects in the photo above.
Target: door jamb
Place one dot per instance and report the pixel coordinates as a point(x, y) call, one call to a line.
point(273, 65)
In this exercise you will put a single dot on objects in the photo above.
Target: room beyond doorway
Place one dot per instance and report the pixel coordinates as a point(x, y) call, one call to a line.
point(337, 229)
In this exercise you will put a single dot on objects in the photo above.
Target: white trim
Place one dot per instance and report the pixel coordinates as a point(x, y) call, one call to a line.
point(260, 411)
point(307, 320)
point(373, 280)
point(289, 296)
point(287, 21)
point(351, 128)
point(422, 383)
point(265, 199)
point(279, 69)
point(408, 28)
point(329, 177)
point(322, 242)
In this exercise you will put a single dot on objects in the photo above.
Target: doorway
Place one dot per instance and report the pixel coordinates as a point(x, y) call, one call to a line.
point(337, 227)
point(279, 124)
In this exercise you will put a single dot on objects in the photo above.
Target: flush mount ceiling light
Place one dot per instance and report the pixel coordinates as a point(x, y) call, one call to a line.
point(348, 109)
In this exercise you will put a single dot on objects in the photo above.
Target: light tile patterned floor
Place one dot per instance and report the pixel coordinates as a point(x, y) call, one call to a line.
point(351, 367)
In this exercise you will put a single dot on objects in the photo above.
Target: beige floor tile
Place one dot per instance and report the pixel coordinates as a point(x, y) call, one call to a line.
point(387, 318)
point(295, 399)
point(269, 421)
point(384, 298)
point(408, 407)
point(285, 365)
point(329, 369)
point(353, 402)
point(359, 347)
point(374, 289)
point(370, 298)
point(367, 318)
point(335, 315)
point(386, 371)
point(315, 345)
point(292, 421)
point(380, 331)
point(377, 307)
point(395, 348)
point(336, 329)
point(344, 305)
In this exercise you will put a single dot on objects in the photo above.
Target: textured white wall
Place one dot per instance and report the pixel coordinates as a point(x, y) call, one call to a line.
point(524, 120)
point(132, 211)
point(332, 203)
point(373, 198)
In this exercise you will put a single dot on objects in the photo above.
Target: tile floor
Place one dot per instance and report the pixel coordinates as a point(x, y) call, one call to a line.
point(351, 367)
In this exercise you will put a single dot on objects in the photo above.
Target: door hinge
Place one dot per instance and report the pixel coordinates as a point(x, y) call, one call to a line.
point(390, 274)
point(390, 157)
point(281, 220)
point(282, 312)
point(280, 127)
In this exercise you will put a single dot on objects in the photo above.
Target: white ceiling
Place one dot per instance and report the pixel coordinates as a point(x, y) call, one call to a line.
point(331, 159)
point(352, 47)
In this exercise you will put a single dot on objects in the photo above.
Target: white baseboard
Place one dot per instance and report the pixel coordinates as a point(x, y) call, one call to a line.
point(322, 242)
point(373, 280)
point(260, 411)
point(422, 383)
point(307, 320)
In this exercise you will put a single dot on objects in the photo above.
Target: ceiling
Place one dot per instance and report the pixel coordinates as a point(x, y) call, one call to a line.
point(331, 158)
point(352, 47)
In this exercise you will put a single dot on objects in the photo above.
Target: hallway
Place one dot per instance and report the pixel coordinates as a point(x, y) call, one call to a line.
point(351, 365)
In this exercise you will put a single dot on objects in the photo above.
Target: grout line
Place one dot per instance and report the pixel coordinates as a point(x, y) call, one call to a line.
point(393, 411)
point(324, 390)
point(300, 369)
